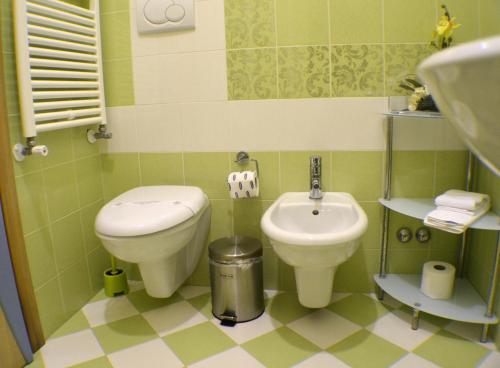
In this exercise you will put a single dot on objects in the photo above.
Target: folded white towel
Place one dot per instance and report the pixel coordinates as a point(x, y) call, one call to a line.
point(453, 221)
point(461, 210)
point(461, 199)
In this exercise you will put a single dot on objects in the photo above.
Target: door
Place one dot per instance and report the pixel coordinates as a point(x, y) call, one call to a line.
point(15, 349)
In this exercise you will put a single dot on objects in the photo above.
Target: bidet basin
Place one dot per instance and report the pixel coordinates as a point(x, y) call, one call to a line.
point(314, 236)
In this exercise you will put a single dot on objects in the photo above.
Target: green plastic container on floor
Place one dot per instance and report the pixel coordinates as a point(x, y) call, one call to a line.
point(115, 281)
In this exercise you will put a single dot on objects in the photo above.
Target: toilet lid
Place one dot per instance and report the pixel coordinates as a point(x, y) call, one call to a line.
point(147, 210)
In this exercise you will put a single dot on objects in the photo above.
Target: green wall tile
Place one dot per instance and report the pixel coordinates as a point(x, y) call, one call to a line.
point(364, 263)
point(372, 238)
point(451, 170)
point(9, 65)
point(118, 82)
point(81, 145)
point(358, 173)
point(99, 261)
point(356, 21)
point(75, 287)
point(88, 178)
point(61, 190)
point(467, 14)
point(247, 215)
point(115, 35)
point(6, 27)
point(50, 307)
point(60, 147)
point(208, 171)
point(270, 269)
point(299, 23)
point(413, 173)
point(120, 172)
point(489, 14)
point(68, 241)
point(75, 324)
point(357, 70)
point(34, 163)
point(397, 221)
point(108, 6)
point(251, 74)
point(406, 261)
point(88, 215)
point(304, 72)
point(80, 3)
point(249, 23)
point(221, 224)
point(286, 277)
point(401, 62)
point(409, 21)
point(32, 203)
point(294, 168)
point(161, 168)
point(40, 257)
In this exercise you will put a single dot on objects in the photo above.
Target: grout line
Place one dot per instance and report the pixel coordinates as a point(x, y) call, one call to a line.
point(384, 65)
point(276, 49)
point(330, 77)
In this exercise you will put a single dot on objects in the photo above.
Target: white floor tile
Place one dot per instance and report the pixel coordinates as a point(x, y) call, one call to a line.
point(71, 349)
point(152, 354)
point(188, 291)
point(109, 310)
point(235, 357)
point(396, 328)
point(270, 293)
point(246, 331)
point(491, 361)
point(339, 296)
point(323, 327)
point(469, 331)
point(413, 361)
point(173, 317)
point(322, 360)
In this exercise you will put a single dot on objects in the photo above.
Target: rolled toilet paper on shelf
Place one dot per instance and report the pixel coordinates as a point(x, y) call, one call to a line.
point(438, 279)
point(243, 184)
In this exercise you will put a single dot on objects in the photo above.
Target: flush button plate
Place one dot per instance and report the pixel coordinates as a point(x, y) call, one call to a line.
point(164, 15)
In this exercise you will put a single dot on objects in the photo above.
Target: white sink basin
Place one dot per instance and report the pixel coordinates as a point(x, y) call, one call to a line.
point(314, 236)
point(465, 83)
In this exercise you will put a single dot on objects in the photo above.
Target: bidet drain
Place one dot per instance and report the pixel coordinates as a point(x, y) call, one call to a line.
point(315, 212)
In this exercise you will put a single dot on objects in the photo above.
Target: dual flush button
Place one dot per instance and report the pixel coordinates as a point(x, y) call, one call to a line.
point(164, 15)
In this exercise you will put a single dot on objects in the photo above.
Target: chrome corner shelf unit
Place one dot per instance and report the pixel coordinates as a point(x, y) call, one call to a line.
point(466, 305)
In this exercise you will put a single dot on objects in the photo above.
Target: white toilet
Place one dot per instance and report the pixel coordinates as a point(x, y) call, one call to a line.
point(162, 228)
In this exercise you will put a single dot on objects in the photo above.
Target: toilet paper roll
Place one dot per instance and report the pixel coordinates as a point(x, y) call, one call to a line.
point(243, 184)
point(438, 279)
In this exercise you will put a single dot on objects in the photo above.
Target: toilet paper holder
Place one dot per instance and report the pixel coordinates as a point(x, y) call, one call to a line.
point(242, 158)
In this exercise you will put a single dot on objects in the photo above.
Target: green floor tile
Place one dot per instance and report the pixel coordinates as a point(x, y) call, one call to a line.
point(203, 303)
point(435, 320)
point(75, 324)
point(124, 333)
point(280, 348)
point(285, 307)
point(101, 362)
point(451, 351)
point(360, 309)
point(143, 302)
point(364, 349)
point(198, 342)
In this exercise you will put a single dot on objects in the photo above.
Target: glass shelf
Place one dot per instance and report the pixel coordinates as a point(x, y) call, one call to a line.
point(465, 305)
point(415, 114)
point(420, 207)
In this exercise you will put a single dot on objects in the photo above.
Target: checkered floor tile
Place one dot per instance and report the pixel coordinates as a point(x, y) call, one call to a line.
point(356, 330)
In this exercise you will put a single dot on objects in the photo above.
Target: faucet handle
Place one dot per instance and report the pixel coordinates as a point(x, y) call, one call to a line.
point(315, 163)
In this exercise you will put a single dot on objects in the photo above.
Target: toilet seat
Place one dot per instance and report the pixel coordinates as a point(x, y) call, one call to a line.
point(147, 210)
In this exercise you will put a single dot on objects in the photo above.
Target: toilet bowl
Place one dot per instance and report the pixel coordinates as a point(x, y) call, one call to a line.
point(161, 228)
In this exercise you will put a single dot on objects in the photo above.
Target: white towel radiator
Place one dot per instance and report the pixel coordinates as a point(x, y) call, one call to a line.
point(59, 69)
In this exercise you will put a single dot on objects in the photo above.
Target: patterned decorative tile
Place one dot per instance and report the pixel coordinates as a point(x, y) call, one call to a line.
point(450, 351)
point(364, 349)
point(207, 338)
point(357, 71)
point(303, 72)
point(401, 62)
point(283, 339)
point(251, 74)
point(249, 23)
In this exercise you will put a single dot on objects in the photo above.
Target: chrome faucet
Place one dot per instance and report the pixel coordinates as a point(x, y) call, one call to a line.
point(315, 167)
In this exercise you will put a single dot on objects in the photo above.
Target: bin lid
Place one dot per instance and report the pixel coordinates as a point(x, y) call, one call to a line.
point(234, 248)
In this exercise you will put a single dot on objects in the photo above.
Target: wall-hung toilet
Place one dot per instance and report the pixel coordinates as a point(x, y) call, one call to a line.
point(161, 228)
